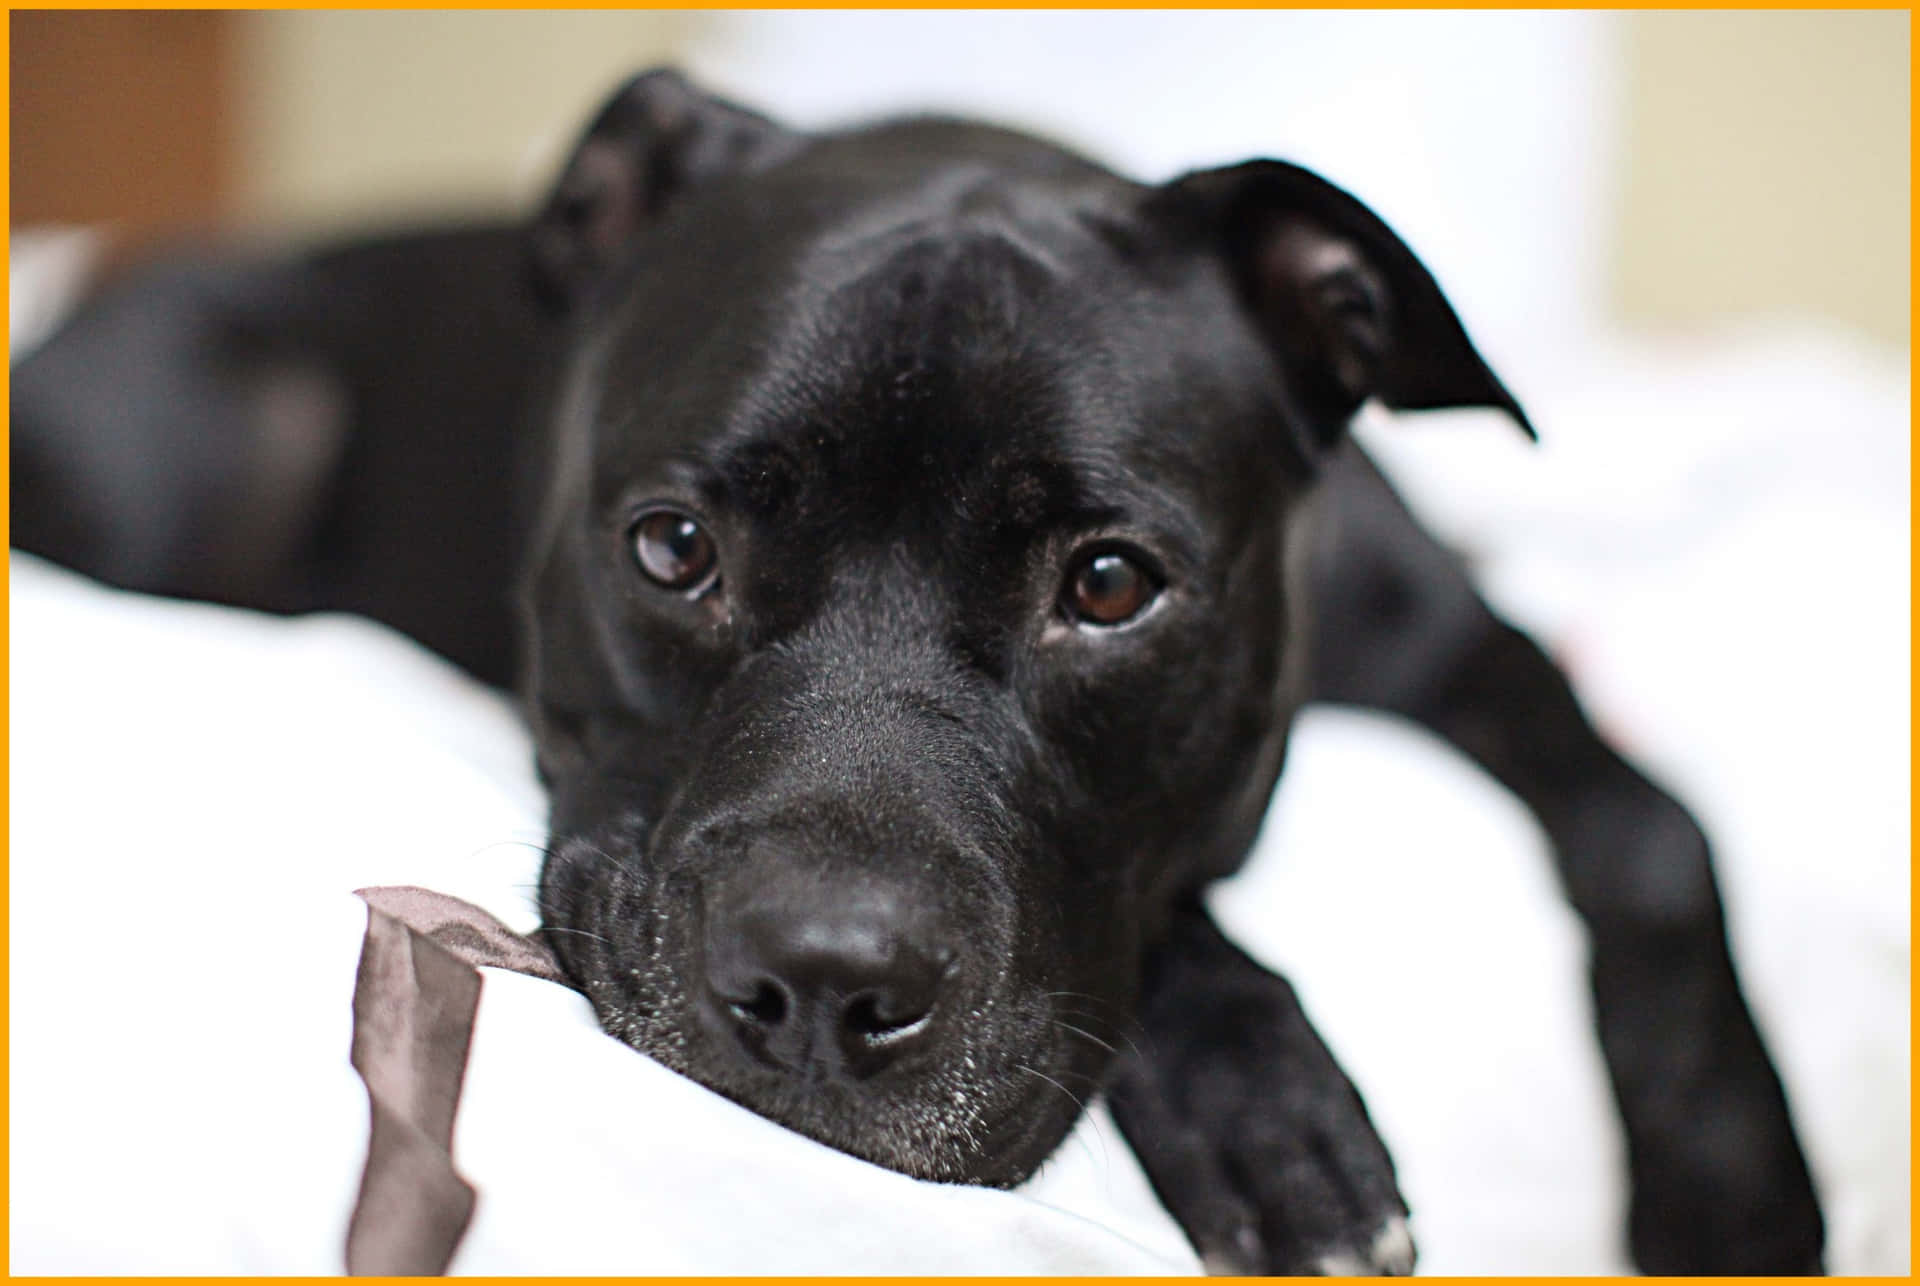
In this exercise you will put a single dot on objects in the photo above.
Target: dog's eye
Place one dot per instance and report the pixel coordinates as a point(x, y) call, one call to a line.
point(673, 550)
point(1109, 589)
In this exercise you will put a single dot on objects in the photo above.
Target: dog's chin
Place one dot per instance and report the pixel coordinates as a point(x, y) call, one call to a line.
point(943, 1125)
point(925, 1144)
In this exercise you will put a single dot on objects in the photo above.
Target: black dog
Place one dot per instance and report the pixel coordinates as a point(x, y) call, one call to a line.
point(926, 539)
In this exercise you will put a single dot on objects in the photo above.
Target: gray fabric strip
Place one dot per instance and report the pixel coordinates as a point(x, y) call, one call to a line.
point(464, 929)
point(414, 1001)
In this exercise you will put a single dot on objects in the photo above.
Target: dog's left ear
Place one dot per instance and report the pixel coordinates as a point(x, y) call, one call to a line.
point(1347, 309)
point(657, 137)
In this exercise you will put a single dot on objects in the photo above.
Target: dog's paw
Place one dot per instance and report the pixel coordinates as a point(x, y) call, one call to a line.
point(1254, 1138)
point(1303, 1188)
point(1389, 1254)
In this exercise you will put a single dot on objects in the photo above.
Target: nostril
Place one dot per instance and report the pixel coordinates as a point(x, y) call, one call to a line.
point(767, 1007)
point(871, 1016)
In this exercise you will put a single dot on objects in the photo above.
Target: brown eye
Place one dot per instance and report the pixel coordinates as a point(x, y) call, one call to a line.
point(1108, 589)
point(673, 550)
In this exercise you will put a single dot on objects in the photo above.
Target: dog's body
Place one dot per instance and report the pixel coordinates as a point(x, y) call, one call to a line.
point(924, 540)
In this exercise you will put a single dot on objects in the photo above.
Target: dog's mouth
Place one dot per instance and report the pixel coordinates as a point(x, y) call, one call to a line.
point(983, 1097)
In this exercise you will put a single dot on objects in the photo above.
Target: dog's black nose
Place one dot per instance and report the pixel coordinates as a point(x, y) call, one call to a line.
point(837, 993)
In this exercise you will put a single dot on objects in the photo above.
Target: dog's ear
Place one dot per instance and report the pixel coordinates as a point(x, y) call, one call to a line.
point(1347, 309)
point(655, 138)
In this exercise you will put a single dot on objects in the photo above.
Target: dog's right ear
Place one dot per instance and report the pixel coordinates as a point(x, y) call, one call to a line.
point(655, 138)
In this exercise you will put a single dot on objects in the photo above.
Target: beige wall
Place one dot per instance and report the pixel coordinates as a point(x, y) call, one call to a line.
point(1764, 157)
point(489, 100)
point(1765, 166)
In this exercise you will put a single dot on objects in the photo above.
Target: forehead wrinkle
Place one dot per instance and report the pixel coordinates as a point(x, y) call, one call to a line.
point(920, 359)
point(968, 263)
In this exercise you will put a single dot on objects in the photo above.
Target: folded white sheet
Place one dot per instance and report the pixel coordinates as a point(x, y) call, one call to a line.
point(196, 791)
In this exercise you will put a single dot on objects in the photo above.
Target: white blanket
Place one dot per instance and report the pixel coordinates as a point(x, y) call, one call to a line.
point(192, 786)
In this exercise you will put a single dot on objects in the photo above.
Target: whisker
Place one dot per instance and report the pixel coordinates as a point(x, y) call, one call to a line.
point(1114, 1012)
point(1104, 1162)
point(537, 846)
point(1084, 995)
point(554, 928)
point(1117, 1029)
point(1084, 1033)
point(1056, 1084)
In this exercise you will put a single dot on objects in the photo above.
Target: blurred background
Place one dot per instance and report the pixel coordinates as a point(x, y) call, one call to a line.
point(1680, 168)
point(1682, 238)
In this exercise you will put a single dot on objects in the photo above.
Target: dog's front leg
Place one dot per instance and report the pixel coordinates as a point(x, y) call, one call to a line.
point(1249, 1131)
point(1720, 1184)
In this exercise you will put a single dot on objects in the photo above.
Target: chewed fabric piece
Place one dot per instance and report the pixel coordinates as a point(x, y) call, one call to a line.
point(414, 1000)
point(469, 932)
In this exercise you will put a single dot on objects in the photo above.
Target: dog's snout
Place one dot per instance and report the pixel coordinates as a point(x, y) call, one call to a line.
point(839, 992)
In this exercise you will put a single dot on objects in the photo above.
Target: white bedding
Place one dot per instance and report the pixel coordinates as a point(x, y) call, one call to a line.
point(194, 787)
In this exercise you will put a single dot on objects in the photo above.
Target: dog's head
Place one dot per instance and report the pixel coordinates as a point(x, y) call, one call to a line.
point(916, 612)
